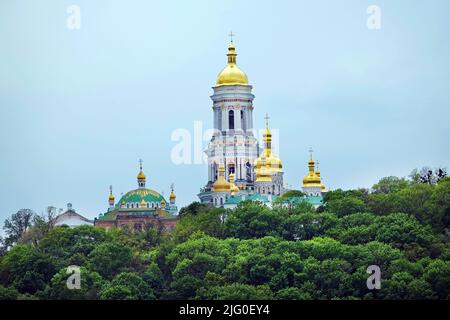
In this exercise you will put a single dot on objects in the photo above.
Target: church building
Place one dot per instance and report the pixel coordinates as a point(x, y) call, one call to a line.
point(140, 207)
point(237, 169)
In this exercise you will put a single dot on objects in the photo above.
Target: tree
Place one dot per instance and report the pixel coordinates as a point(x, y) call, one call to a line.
point(253, 220)
point(90, 286)
point(390, 184)
point(16, 226)
point(8, 293)
point(238, 291)
point(427, 176)
point(109, 259)
point(127, 286)
point(346, 205)
point(26, 269)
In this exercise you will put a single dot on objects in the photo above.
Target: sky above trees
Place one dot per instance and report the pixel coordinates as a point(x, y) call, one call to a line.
point(79, 108)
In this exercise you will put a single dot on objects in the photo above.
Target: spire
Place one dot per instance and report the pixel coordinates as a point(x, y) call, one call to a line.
point(231, 52)
point(111, 198)
point(172, 196)
point(311, 161)
point(141, 176)
point(231, 36)
point(317, 168)
point(267, 137)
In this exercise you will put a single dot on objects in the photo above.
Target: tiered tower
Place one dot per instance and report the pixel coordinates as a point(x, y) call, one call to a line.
point(233, 144)
point(268, 168)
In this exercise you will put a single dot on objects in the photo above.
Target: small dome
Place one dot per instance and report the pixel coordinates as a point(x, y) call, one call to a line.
point(231, 74)
point(172, 196)
point(141, 175)
point(221, 185)
point(264, 175)
point(111, 197)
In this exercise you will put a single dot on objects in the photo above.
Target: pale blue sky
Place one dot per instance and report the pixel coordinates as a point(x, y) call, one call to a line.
point(79, 108)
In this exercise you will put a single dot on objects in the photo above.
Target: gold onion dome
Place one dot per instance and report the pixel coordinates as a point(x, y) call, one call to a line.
point(231, 74)
point(221, 185)
point(263, 174)
point(143, 203)
point(267, 158)
point(111, 197)
point(141, 175)
point(311, 179)
point(172, 196)
point(233, 188)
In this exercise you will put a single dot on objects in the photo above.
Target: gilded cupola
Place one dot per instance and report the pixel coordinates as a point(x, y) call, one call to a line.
point(233, 188)
point(221, 185)
point(231, 74)
point(311, 179)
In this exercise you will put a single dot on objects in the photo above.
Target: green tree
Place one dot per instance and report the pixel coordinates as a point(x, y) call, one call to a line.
point(389, 185)
point(109, 259)
point(16, 226)
point(90, 286)
point(127, 286)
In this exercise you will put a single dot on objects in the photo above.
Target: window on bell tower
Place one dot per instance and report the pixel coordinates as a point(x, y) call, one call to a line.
point(231, 120)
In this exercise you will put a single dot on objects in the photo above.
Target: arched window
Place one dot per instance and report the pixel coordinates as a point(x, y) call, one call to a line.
point(248, 170)
point(231, 120)
point(243, 124)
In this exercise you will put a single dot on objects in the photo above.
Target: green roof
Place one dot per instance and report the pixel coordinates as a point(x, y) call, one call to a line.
point(253, 197)
point(137, 195)
point(317, 201)
point(314, 200)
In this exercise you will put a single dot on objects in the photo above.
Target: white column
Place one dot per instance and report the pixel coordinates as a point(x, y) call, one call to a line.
point(216, 119)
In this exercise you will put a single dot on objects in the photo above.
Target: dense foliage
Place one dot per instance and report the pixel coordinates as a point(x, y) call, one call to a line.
point(251, 252)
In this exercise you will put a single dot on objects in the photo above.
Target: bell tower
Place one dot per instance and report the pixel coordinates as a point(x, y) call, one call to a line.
point(233, 143)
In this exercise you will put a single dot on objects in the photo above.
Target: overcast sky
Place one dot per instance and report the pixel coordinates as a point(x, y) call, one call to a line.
point(78, 108)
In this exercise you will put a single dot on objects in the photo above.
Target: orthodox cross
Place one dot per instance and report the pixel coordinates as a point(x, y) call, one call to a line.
point(110, 189)
point(231, 36)
point(140, 164)
point(267, 120)
point(172, 186)
point(311, 152)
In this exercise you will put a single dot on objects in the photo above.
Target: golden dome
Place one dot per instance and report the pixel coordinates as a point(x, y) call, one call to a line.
point(111, 197)
point(163, 203)
point(263, 175)
point(267, 158)
point(221, 185)
point(141, 175)
point(312, 179)
point(143, 204)
point(231, 74)
point(233, 188)
point(172, 196)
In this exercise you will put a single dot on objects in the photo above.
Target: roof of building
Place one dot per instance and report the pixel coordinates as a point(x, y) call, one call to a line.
point(137, 195)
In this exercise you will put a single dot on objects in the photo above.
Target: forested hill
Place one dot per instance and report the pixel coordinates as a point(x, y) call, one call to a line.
point(251, 252)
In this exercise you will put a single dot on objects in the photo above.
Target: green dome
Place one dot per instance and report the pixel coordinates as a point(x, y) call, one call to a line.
point(137, 195)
